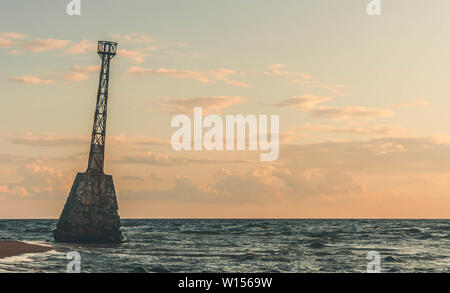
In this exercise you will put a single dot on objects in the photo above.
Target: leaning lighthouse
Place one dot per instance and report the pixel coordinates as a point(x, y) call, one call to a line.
point(90, 214)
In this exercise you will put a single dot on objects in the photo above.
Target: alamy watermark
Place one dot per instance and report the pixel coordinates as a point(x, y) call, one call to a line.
point(213, 139)
point(74, 266)
point(74, 8)
point(374, 265)
point(374, 8)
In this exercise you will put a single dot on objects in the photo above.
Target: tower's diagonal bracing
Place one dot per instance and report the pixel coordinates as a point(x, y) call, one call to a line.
point(106, 51)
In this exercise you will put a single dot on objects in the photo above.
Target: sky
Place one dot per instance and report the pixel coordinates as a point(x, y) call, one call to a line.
point(362, 102)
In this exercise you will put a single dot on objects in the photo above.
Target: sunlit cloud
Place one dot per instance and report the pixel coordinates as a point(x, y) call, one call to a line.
point(35, 177)
point(133, 38)
point(303, 102)
point(9, 39)
point(380, 129)
point(13, 35)
point(280, 70)
point(58, 140)
point(31, 80)
point(40, 45)
point(349, 112)
point(410, 104)
point(77, 73)
point(134, 56)
point(208, 76)
point(209, 104)
point(304, 80)
point(80, 47)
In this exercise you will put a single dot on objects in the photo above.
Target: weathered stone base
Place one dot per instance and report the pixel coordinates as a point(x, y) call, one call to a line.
point(90, 213)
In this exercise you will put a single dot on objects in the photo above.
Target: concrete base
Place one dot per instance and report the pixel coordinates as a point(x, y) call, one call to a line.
point(90, 213)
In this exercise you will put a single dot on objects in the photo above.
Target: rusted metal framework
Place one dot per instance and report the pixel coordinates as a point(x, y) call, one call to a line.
point(106, 50)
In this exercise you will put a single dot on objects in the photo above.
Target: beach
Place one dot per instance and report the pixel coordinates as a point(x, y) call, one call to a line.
point(14, 248)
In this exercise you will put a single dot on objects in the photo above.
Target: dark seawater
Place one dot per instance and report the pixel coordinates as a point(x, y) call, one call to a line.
point(243, 246)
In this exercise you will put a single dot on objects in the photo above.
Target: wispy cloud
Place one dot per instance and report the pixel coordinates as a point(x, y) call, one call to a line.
point(31, 80)
point(306, 81)
point(410, 104)
point(280, 70)
point(303, 102)
point(13, 35)
point(311, 104)
point(57, 140)
point(349, 112)
point(134, 56)
point(8, 40)
point(74, 74)
point(380, 129)
point(40, 45)
point(208, 76)
point(80, 47)
point(21, 42)
point(209, 104)
point(77, 73)
point(35, 177)
point(132, 178)
point(260, 185)
point(133, 38)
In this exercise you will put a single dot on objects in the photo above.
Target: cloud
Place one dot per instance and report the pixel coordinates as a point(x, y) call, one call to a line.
point(48, 140)
point(150, 43)
point(303, 102)
point(6, 43)
point(133, 38)
point(9, 39)
point(336, 89)
point(209, 104)
point(306, 81)
point(20, 42)
point(311, 103)
point(208, 76)
point(267, 184)
point(17, 190)
point(386, 148)
point(31, 80)
point(380, 129)
point(151, 159)
point(80, 47)
point(40, 45)
point(349, 112)
point(155, 177)
point(15, 52)
point(56, 140)
point(411, 104)
point(77, 73)
point(36, 178)
point(279, 70)
point(381, 156)
point(134, 56)
point(161, 159)
point(132, 178)
point(13, 35)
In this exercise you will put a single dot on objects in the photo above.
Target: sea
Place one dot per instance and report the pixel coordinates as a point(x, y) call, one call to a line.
point(243, 245)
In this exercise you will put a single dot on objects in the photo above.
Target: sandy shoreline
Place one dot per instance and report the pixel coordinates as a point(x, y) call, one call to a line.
point(14, 248)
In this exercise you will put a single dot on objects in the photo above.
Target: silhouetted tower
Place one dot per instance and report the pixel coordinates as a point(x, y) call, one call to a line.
point(90, 214)
point(106, 51)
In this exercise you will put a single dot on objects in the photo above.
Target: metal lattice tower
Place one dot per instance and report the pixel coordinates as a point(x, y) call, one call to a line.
point(90, 214)
point(106, 51)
